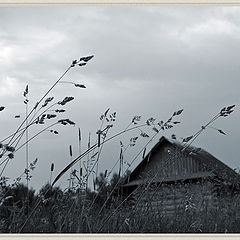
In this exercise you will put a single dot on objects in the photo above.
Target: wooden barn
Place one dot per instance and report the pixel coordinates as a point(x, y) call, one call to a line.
point(171, 178)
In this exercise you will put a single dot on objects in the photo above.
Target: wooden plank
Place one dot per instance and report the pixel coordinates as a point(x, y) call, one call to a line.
point(190, 165)
point(189, 162)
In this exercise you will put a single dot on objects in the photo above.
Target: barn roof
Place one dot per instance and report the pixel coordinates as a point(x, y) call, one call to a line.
point(213, 166)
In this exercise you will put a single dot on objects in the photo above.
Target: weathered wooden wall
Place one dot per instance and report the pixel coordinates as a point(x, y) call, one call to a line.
point(168, 199)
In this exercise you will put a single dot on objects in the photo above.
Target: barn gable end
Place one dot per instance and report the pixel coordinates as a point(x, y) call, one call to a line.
point(168, 163)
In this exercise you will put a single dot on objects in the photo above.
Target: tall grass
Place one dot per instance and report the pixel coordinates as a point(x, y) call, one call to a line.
point(79, 208)
point(59, 212)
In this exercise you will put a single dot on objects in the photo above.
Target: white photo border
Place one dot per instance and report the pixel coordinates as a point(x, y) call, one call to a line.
point(118, 236)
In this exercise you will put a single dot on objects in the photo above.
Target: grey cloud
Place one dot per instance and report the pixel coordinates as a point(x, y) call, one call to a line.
point(148, 60)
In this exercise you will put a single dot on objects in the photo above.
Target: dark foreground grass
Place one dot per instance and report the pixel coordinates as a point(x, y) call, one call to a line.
point(70, 212)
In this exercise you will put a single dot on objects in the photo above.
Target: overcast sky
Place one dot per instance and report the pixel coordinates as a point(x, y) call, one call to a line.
point(149, 61)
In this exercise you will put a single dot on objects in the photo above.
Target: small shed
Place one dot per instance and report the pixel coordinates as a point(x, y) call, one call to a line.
point(173, 178)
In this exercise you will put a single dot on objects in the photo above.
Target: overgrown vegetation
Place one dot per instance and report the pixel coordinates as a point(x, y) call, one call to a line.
point(101, 207)
point(64, 212)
